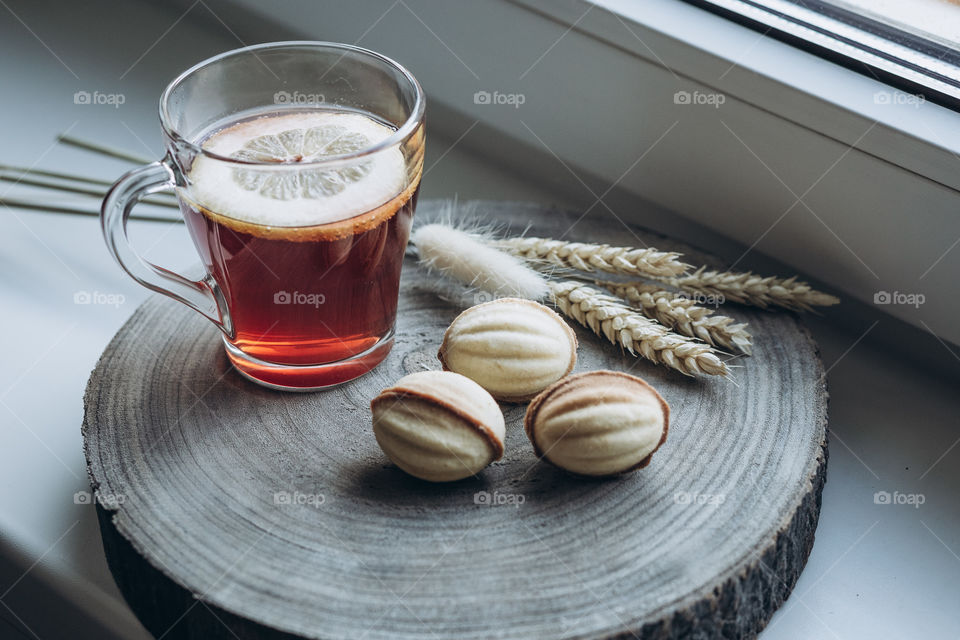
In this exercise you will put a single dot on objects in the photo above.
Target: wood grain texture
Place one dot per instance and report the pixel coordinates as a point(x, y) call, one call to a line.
point(188, 460)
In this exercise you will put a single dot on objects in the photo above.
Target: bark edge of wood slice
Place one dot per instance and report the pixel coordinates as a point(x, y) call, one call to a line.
point(228, 510)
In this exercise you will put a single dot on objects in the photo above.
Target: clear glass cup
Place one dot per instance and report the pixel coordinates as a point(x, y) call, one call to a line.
point(301, 304)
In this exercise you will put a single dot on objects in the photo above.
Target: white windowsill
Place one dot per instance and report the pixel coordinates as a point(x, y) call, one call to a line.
point(919, 136)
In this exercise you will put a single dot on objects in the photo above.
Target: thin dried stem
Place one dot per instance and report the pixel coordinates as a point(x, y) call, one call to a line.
point(54, 174)
point(748, 288)
point(102, 149)
point(595, 257)
point(55, 185)
point(611, 318)
point(683, 315)
point(50, 207)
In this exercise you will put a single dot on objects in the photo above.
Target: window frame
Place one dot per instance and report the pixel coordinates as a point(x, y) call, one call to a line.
point(900, 58)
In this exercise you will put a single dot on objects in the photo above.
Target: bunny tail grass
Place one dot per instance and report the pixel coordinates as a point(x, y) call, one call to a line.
point(468, 258)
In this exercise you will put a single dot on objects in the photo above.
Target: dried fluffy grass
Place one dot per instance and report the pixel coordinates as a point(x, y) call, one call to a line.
point(469, 258)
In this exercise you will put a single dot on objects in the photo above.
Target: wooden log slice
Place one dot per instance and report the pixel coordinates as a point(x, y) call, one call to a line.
point(232, 511)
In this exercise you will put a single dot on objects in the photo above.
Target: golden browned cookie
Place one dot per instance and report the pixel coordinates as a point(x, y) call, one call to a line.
point(438, 425)
point(598, 423)
point(511, 347)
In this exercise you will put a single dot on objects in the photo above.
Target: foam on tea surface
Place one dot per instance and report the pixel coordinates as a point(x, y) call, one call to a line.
point(270, 200)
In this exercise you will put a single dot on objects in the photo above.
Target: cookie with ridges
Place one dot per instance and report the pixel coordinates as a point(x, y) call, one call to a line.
point(438, 425)
point(599, 423)
point(511, 347)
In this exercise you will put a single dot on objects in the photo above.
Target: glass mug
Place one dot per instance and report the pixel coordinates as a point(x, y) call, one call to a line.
point(297, 167)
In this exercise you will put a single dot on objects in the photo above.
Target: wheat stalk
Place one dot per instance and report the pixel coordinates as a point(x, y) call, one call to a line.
point(606, 316)
point(751, 289)
point(596, 257)
point(683, 315)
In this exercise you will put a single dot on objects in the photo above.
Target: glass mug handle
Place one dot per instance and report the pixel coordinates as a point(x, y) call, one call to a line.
point(203, 296)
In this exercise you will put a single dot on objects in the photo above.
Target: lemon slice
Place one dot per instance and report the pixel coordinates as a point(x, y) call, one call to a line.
point(302, 145)
point(283, 195)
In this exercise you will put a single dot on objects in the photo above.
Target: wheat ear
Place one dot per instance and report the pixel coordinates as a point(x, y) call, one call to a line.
point(683, 315)
point(596, 257)
point(751, 289)
point(606, 316)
